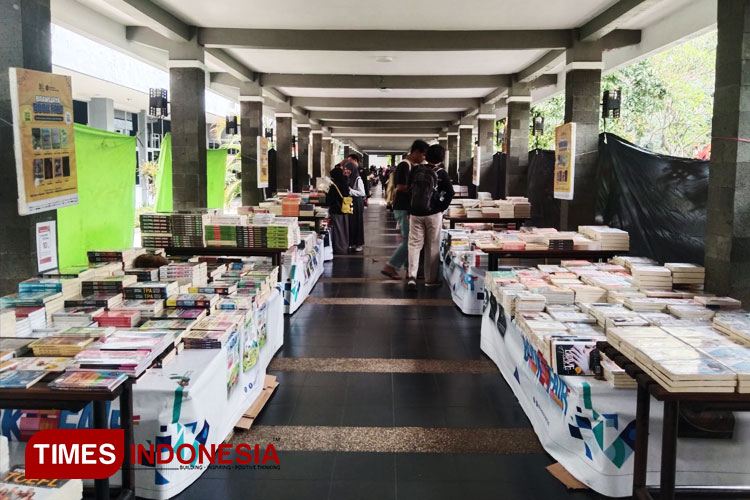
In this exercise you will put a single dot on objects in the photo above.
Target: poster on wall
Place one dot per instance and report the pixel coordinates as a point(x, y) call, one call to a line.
point(309, 162)
point(477, 162)
point(447, 160)
point(43, 140)
point(46, 246)
point(262, 162)
point(565, 154)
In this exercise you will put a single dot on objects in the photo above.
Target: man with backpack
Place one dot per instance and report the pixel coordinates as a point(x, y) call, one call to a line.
point(430, 193)
point(398, 197)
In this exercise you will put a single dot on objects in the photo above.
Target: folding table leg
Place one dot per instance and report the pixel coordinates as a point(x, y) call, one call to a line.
point(640, 460)
point(101, 486)
point(669, 450)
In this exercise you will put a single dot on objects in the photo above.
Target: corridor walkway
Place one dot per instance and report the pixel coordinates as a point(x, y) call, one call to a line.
point(385, 395)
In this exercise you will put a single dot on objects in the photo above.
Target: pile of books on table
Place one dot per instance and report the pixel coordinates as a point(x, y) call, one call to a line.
point(151, 290)
point(7, 322)
point(521, 207)
point(76, 316)
point(123, 256)
point(144, 273)
point(609, 238)
point(118, 318)
point(107, 286)
point(185, 273)
point(187, 229)
point(51, 302)
point(652, 277)
point(156, 230)
point(68, 287)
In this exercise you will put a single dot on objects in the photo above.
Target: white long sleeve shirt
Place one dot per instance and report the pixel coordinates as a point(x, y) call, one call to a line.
point(358, 189)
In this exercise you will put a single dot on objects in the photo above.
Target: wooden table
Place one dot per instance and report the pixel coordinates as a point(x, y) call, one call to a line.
point(41, 397)
point(648, 388)
point(494, 255)
point(274, 253)
point(483, 220)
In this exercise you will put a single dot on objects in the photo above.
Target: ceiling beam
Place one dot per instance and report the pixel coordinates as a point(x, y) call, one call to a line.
point(384, 81)
point(384, 40)
point(544, 81)
point(383, 102)
point(151, 15)
point(396, 132)
point(495, 95)
point(541, 66)
point(404, 116)
point(613, 18)
point(232, 65)
point(385, 125)
point(147, 36)
point(620, 38)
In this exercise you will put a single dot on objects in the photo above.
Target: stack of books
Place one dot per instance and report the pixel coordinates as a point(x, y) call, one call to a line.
point(50, 301)
point(221, 236)
point(528, 301)
point(192, 314)
point(187, 229)
point(133, 340)
point(60, 346)
point(215, 287)
point(151, 290)
point(615, 375)
point(68, 287)
point(290, 206)
point(45, 364)
point(13, 348)
point(20, 379)
point(690, 311)
point(208, 339)
point(652, 277)
point(587, 294)
point(118, 319)
point(71, 272)
point(7, 322)
point(129, 362)
point(721, 303)
point(106, 300)
point(456, 211)
point(76, 316)
point(92, 332)
point(521, 207)
point(560, 243)
point(506, 209)
point(193, 301)
point(734, 326)
point(147, 308)
point(156, 230)
point(688, 276)
point(185, 273)
point(564, 316)
point(144, 273)
point(88, 381)
point(126, 256)
point(609, 238)
point(107, 286)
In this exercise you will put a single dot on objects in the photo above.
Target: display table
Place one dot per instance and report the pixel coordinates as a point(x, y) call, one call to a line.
point(495, 255)
point(274, 253)
point(187, 401)
point(648, 388)
point(466, 284)
point(589, 427)
point(484, 220)
point(41, 397)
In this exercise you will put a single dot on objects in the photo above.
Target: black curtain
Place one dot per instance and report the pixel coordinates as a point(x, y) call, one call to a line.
point(498, 172)
point(545, 209)
point(660, 200)
point(271, 190)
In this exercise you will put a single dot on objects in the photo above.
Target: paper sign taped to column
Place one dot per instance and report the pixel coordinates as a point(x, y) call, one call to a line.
point(477, 163)
point(46, 245)
point(262, 162)
point(46, 174)
point(565, 154)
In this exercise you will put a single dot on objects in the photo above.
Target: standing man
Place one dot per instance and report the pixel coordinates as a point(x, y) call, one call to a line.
point(430, 193)
point(401, 207)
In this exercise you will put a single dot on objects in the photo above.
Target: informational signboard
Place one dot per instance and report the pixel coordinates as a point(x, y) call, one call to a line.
point(565, 155)
point(46, 245)
point(43, 140)
point(477, 163)
point(262, 162)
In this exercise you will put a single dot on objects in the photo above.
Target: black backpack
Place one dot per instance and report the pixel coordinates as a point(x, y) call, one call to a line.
point(423, 189)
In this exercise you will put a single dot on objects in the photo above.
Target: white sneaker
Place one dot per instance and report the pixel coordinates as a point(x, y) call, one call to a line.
point(359, 249)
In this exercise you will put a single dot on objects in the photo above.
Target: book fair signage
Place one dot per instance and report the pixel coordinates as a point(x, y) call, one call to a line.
point(565, 153)
point(262, 162)
point(43, 140)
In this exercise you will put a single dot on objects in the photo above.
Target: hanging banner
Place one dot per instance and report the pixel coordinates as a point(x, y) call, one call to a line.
point(46, 245)
point(565, 154)
point(309, 161)
point(43, 140)
point(477, 163)
point(262, 162)
point(447, 159)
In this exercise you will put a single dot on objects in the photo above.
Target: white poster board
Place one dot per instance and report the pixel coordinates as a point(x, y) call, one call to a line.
point(46, 246)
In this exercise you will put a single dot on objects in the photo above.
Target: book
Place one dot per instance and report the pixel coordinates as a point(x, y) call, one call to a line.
point(132, 362)
point(20, 379)
point(123, 318)
point(575, 356)
point(88, 380)
point(15, 486)
point(106, 300)
point(59, 346)
point(37, 363)
point(86, 331)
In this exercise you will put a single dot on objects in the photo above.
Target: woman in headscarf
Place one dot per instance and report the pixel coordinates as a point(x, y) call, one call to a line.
point(358, 193)
point(339, 221)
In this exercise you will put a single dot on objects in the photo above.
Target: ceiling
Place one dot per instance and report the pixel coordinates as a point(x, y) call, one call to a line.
point(341, 39)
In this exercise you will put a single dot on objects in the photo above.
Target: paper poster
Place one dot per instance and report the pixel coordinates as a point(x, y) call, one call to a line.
point(43, 140)
point(477, 163)
point(262, 162)
point(447, 160)
point(565, 154)
point(309, 161)
point(46, 245)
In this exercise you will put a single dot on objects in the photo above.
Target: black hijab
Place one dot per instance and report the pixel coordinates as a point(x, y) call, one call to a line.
point(355, 173)
point(338, 178)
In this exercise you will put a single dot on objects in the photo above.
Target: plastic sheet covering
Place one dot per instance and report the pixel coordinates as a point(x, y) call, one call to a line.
point(660, 200)
point(545, 209)
point(216, 166)
point(104, 216)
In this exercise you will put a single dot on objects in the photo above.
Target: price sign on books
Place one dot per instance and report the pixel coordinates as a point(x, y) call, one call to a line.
point(565, 154)
point(43, 140)
point(262, 162)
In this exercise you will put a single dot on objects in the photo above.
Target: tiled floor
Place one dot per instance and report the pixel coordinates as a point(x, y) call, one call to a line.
point(328, 414)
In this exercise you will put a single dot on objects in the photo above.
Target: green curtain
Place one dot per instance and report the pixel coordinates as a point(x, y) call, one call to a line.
point(105, 212)
point(216, 166)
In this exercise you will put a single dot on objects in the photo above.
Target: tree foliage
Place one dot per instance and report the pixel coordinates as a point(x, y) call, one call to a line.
point(667, 100)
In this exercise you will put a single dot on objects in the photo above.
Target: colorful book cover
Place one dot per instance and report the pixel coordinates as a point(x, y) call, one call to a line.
point(20, 379)
point(234, 360)
point(97, 380)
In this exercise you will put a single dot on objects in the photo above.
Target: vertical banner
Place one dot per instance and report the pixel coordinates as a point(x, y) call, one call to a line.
point(310, 159)
point(565, 154)
point(43, 139)
point(477, 163)
point(46, 246)
point(447, 160)
point(262, 162)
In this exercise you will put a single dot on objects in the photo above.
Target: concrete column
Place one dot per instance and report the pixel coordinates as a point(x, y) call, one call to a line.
point(443, 140)
point(465, 152)
point(452, 163)
point(102, 113)
point(486, 138)
point(303, 154)
point(366, 160)
point(582, 106)
point(317, 151)
point(187, 84)
point(284, 147)
point(251, 127)
point(25, 43)
point(728, 225)
point(327, 154)
point(517, 158)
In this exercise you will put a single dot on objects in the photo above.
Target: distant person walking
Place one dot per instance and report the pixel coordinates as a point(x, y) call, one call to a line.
point(358, 194)
point(339, 210)
point(400, 178)
point(430, 193)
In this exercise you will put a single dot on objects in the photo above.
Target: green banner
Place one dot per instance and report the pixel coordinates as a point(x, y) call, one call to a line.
point(216, 166)
point(105, 212)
